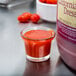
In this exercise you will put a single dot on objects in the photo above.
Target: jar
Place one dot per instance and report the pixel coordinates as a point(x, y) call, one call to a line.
point(66, 31)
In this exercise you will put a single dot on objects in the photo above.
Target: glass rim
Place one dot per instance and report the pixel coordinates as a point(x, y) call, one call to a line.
point(37, 39)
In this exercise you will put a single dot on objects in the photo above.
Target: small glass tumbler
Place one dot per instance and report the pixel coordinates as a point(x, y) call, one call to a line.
point(37, 50)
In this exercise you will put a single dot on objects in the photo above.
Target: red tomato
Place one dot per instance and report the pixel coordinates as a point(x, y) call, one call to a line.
point(35, 18)
point(21, 18)
point(43, 1)
point(25, 17)
point(51, 1)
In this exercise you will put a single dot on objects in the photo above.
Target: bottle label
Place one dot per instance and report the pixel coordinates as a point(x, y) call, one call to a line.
point(66, 19)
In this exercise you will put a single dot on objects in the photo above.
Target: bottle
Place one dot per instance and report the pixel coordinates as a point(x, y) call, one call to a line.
point(66, 31)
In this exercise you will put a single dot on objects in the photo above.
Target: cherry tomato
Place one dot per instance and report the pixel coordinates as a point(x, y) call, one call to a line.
point(25, 17)
point(51, 1)
point(43, 1)
point(21, 18)
point(35, 18)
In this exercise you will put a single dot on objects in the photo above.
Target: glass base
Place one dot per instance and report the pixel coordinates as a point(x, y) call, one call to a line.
point(38, 59)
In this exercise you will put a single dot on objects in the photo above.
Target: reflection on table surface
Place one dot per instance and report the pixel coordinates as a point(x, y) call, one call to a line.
point(48, 69)
point(38, 69)
point(63, 70)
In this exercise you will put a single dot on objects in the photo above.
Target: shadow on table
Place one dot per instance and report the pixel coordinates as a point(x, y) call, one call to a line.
point(63, 70)
point(38, 69)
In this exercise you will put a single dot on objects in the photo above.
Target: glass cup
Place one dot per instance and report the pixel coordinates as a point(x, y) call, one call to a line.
point(37, 50)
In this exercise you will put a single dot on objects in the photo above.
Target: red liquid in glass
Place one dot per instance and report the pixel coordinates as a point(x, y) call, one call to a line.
point(38, 43)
